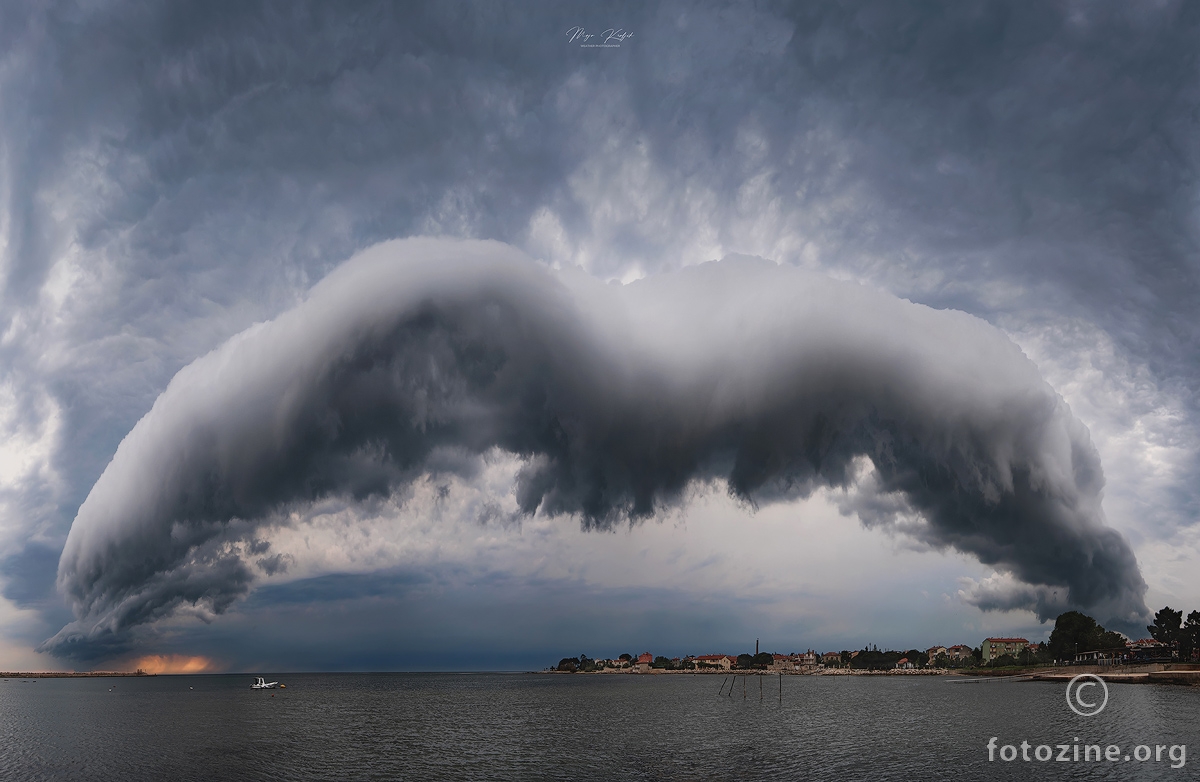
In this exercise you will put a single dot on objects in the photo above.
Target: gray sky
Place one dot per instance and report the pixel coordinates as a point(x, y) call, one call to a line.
point(172, 177)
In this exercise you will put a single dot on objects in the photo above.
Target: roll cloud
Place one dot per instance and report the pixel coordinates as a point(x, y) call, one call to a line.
point(422, 355)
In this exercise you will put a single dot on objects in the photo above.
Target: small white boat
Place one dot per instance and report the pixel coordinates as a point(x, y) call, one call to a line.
point(262, 684)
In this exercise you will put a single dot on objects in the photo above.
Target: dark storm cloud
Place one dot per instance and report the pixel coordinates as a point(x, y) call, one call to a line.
point(162, 147)
point(200, 164)
point(959, 127)
point(618, 397)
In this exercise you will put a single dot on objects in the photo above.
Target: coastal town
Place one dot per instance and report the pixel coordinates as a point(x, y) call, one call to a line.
point(1077, 639)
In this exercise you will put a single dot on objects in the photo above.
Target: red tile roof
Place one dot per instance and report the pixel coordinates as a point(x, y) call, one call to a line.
point(1146, 642)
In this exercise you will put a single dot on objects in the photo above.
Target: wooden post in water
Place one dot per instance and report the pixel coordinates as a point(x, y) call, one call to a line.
point(781, 686)
point(743, 686)
point(760, 688)
point(722, 690)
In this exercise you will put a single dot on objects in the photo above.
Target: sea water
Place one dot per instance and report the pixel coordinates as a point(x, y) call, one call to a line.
point(583, 727)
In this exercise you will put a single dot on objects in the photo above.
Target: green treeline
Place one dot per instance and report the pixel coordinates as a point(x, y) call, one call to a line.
point(1169, 628)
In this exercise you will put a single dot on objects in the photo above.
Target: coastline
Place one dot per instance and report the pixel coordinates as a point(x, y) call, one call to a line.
point(1185, 674)
point(67, 674)
point(720, 672)
point(1180, 674)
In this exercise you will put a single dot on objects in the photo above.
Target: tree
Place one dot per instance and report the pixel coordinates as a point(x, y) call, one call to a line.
point(1189, 636)
point(568, 664)
point(874, 660)
point(1167, 627)
point(744, 661)
point(1073, 632)
point(763, 660)
point(1037, 654)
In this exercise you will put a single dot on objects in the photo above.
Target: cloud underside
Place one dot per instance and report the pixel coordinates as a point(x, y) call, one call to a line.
point(421, 356)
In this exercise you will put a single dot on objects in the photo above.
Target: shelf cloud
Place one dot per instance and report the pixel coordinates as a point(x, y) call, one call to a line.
point(421, 356)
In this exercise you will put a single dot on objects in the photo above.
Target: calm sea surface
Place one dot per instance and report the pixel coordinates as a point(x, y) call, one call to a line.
point(531, 727)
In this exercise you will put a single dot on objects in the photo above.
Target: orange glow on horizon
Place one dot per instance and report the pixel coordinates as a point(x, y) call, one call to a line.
point(174, 663)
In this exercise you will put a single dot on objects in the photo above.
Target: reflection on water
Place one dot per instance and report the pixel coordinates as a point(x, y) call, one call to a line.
point(530, 727)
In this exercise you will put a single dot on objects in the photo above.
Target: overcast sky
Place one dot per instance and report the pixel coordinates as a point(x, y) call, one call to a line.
point(171, 177)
